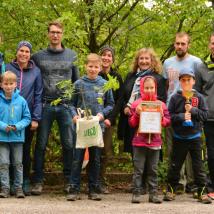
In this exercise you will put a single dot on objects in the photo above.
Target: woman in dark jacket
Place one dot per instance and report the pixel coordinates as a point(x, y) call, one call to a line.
point(145, 63)
point(29, 82)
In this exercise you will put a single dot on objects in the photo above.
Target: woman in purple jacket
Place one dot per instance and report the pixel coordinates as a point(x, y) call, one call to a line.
point(29, 82)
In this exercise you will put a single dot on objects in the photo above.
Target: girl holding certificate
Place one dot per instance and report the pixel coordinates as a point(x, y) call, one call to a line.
point(146, 145)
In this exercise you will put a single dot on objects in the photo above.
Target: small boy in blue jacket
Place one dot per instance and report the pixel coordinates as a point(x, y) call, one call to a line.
point(188, 111)
point(14, 117)
point(87, 91)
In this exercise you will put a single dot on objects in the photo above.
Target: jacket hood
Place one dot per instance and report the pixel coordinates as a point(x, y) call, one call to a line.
point(14, 95)
point(145, 95)
point(30, 65)
point(99, 78)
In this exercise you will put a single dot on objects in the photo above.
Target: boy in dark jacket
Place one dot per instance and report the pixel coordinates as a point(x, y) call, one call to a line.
point(188, 111)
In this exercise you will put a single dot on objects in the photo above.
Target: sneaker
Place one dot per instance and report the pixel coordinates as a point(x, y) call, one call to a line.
point(26, 187)
point(37, 189)
point(73, 195)
point(4, 193)
point(204, 199)
point(94, 196)
point(102, 189)
point(211, 195)
point(136, 198)
point(169, 196)
point(153, 198)
point(19, 193)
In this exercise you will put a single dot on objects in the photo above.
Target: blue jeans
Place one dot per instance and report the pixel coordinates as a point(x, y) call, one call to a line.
point(93, 168)
point(62, 115)
point(13, 152)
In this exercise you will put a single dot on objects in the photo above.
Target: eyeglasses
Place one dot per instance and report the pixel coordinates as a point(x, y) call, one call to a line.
point(55, 32)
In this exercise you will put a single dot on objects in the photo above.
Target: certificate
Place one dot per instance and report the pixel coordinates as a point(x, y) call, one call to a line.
point(150, 117)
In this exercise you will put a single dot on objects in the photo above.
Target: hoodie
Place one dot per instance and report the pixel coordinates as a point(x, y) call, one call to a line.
point(144, 139)
point(86, 95)
point(13, 112)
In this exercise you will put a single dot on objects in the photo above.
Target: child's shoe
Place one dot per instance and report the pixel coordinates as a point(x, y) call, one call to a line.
point(153, 198)
point(169, 196)
point(94, 196)
point(19, 193)
point(4, 193)
point(136, 198)
point(204, 199)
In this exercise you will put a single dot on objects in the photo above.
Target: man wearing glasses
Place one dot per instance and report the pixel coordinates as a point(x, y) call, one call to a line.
point(56, 64)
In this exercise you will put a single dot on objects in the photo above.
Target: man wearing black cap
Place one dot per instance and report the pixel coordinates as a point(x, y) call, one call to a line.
point(107, 54)
point(57, 64)
point(205, 85)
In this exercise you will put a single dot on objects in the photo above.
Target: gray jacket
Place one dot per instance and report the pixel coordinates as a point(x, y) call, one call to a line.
point(205, 84)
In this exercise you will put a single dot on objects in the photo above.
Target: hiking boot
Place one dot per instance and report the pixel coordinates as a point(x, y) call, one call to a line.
point(94, 196)
point(19, 193)
point(102, 189)
point(37, 189)
point(153, 198)
point(169, 196)
point(73, 195)
point(204, 199)
point(26, 187)
point(136, 198)
point(4, 193)
point(67, 188)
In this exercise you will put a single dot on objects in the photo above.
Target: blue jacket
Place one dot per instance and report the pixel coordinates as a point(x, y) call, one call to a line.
point(13, 112)
point(87, 91)
point(30, 87)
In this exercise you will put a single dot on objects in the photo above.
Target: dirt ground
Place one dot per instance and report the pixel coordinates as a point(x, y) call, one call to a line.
point(115, 203)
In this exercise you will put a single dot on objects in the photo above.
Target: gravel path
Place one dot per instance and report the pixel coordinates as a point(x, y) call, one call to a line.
point(111, 204)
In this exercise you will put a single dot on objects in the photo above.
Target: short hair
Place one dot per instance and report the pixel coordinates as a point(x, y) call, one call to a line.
point(93, 57)
point(211, 35)
point(156, 63)
point(56, 23)
point(182, 34)
point(8, 76)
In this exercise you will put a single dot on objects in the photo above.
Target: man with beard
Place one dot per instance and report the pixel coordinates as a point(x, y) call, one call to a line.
point(171, 69)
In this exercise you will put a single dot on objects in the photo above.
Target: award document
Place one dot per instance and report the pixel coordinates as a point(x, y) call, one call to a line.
point(150, 117)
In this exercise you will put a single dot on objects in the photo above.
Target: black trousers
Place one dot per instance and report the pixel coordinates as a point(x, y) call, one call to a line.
point(180, 149)
point(209, 133)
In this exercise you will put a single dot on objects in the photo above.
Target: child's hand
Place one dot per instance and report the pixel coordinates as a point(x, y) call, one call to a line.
point(138, 109)
point(187, 116)
point(13, 128)
point(188, 107)
point(8, 128)
point(75, 118)
point(100, 116)
point(107, 123)
point(127, 110)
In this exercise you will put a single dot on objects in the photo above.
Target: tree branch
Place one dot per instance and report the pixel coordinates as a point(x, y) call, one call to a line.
point(54, 9)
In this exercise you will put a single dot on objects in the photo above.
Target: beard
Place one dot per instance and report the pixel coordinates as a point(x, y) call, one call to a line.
point(180, 54)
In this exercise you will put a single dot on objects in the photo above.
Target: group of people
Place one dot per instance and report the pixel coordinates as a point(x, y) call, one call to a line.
point(29, 87)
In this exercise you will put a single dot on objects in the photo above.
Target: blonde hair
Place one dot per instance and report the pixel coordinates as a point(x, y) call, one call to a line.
point(92, 57)
point(156, 64)
point(8, 76)
point(181, 35)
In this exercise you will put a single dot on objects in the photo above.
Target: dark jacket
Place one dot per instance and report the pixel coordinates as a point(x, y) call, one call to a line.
point(199, 114)
point(29, 82)
point(56, 65)
point(86, 95)
point(125, 132)
point(116, 94)
point(205, 84)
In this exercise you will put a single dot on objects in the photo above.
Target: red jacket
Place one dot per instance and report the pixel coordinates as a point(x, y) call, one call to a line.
point(142, 139)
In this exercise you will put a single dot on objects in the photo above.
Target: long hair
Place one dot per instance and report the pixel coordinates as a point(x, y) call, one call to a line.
point(156, 63)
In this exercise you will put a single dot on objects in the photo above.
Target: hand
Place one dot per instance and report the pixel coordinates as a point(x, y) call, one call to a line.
point(127, 110)
point(75, 118)
point(188, 107)
point(8, 128)
point(107, 123)
point(34, 125)
point(13, 128)
point(138, 109)
point(187, 116)
point(100, 116)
